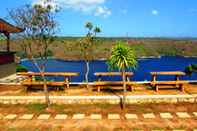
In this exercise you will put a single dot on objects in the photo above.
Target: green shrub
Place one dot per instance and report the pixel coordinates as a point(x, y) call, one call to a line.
point(21, 68)
point(188, 70)
point(194, 67)
point(191, 68)
point(49, 53)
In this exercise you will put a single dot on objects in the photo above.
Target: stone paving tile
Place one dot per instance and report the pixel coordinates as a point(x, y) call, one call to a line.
point(183, 115)
point(43, 117)
point(131, 116)
point(195, 114)
point(166, 115)
point(10, 116)
point(158, 130)
point(61, 117)
point(1, 116)
point(149, 115)
point(96, 116)
point(26, 116)
point(113, 116)
point(78, 116)
point(178, 130)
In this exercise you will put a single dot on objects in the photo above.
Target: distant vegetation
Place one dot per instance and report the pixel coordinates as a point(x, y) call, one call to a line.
point(191, 68)
point(67, 47)
point(20, 68)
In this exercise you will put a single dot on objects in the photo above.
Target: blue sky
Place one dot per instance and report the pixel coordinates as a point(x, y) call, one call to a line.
point(138, 18)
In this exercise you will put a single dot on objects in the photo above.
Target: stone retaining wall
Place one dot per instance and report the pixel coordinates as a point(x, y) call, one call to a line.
point(137, 99)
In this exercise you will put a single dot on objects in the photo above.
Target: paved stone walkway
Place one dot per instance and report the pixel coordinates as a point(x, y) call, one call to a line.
point(61, 117)
point(78, 116)
point(128, 116)
point(183, 115)
point(26, 117)
point(149, 116)
point(131, 116)
point(43, 117)
point(166, 115)
point(113, 116)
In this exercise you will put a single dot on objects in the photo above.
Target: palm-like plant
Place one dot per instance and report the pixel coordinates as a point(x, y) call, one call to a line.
point(122, 58)
point(97, 30)
point(86, 46)
point(89, 26)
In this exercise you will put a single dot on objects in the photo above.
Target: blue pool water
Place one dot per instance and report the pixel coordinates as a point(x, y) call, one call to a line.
point(145, 66)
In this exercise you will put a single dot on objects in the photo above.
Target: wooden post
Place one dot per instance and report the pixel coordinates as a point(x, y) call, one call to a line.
point(67, 82)
point(99, 87)
point(156, 87)
point(154, 79)
point(177, 79)
point(130, 85)
point(30, 78)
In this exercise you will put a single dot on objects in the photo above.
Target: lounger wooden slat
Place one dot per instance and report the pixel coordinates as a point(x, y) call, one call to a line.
point(170, 82)
point(48, 74)
point(112, 83)
point(168, 73)
point(42, 83)
point(112, 74)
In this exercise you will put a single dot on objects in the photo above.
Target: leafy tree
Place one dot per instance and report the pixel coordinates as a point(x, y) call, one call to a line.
point(122, 58)
point(40, 25)
point(86, 45)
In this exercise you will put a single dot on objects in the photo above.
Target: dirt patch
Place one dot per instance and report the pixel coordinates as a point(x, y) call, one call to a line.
point(82, 91)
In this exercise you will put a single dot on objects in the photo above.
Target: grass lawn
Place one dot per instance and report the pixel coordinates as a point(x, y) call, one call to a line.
point(96, 108)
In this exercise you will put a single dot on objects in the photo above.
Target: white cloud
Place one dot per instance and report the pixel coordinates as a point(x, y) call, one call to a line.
point(124, 11)
point(102, 11)
point(45, 3)
point(192, 10)
point(155, 12)
point(91, 6)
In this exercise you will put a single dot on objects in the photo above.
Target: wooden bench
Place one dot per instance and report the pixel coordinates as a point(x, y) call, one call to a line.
point(102, 84)
point(177, 83)
point(30, 82)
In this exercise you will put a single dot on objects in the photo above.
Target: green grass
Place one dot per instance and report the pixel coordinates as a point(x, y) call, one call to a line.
point(36, 107)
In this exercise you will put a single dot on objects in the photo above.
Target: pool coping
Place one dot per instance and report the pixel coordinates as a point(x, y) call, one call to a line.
point(91, 83)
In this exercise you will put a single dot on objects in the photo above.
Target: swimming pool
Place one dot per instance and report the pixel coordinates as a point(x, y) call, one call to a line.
point(146, 65)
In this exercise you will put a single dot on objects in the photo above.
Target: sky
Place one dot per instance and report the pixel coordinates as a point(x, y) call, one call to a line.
point(133, 18)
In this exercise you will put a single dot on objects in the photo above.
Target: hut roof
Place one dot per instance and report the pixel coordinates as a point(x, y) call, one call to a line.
point(6, 27)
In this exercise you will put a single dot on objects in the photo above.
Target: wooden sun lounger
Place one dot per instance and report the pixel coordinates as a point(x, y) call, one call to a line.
point(102, 84)
point(177, 83)
point(29, 81)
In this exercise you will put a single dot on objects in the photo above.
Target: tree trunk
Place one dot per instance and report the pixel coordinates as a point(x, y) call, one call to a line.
point(124, 88)
point(87, 73)
point(45, 90)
